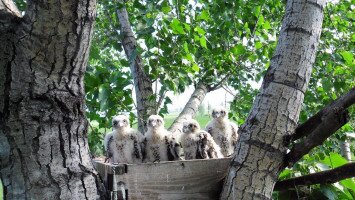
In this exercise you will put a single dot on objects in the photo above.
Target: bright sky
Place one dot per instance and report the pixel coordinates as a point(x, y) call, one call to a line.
point(218, 97)
point(214, 98)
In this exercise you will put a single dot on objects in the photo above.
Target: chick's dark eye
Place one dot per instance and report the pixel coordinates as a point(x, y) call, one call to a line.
point(124, 120)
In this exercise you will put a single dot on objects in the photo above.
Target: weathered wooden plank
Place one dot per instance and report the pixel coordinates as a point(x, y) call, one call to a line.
point(192, 179)
point(107, 168)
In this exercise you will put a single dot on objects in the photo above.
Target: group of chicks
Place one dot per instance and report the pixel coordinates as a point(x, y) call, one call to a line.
point(126, 145)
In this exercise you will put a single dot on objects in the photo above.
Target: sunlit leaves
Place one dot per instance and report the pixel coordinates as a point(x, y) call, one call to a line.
point(348, 57)
point(238, 50)
point(203, 15)
point(203, 42)
point(334, 160)
point(177, 27)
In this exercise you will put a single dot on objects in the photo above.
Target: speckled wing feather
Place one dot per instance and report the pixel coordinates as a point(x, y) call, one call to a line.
point(143, 145)
point(137, 152)
point(108, 142)
point(202, 146)
point(173, 148)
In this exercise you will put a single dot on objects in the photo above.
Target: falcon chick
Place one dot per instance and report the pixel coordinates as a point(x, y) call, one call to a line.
point(122, 145)
point(198, 144)
point(159, 144)
point(223, 131)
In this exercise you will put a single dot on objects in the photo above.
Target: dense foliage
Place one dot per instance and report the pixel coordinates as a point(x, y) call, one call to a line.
point(184, 42)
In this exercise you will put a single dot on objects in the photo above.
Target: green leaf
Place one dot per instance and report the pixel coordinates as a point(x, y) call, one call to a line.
point(200, 30)
point(256, 11)
point(203, 16)
point(258, 45)
point(238, 50)
point(347, 56)
point(189, 57)
point(203, 42)
point(334, 160)
point(176, 27)
point(186, 48)
point(95, 53)
point(195, 68)
point(348, 183)
point(166, 9)
point(267, 25)
point(286, 173)
point(187, 27)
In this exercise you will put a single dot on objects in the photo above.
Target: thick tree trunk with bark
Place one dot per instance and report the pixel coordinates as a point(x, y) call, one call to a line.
point(190, 108)
point(43, 56)
point(258, 157)
point(143, 84)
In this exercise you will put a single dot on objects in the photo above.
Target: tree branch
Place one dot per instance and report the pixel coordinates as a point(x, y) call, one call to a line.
point(324, 177)
point(322, 125)
point(8, 13)
point(218, 85)
point(142, 82)
point(331, 122)
point(160, 101)
point(312, 123)
point(190, 108)
point(229, 91)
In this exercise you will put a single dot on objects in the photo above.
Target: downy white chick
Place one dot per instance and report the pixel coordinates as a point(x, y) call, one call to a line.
point(159, 144)
point(122, 145)
point(223, 131)
point(198, 144)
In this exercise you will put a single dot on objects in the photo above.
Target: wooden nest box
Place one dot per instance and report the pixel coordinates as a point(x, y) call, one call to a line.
point(186, 179)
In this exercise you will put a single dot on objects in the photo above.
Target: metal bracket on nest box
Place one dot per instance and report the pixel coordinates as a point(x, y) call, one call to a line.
point(118, 169)
point(119, 191)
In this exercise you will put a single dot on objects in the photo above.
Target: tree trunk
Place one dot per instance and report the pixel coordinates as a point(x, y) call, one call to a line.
point(258, 157)
point(143, 84)
point(190, 108)
point(43, 56)
point(345, 149)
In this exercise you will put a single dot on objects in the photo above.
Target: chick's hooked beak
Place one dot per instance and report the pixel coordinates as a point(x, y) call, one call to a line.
point(217, 114)
point(153, 123)
point(121, 124)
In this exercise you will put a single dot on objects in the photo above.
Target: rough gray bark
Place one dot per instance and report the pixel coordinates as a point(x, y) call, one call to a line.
point(258, 157)
point(43, 56)
point(190, 108)
point(324, 177)
point(143, 84)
